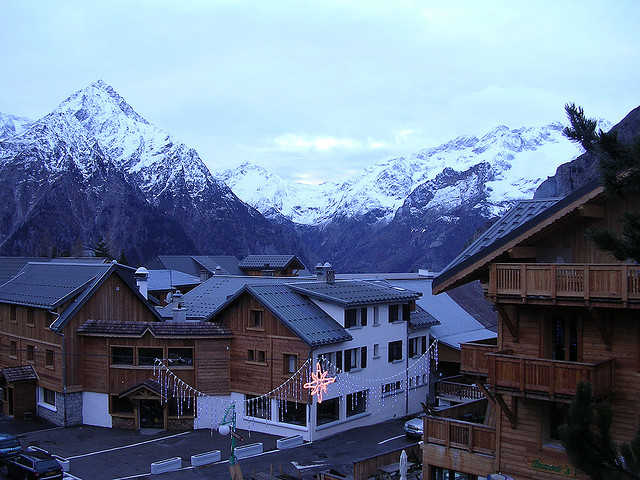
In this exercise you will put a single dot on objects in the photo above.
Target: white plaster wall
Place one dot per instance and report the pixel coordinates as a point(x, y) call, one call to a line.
point(334, 311)
point(95, 409)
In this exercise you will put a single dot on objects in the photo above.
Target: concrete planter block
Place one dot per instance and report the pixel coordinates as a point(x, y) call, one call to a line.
point(289, 442)
point(64, 463)
point(168, 465)
point(247, 451)
point(205, 458)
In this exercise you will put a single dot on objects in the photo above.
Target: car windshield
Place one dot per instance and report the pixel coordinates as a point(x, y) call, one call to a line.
point(9, 443)
point(47, 465)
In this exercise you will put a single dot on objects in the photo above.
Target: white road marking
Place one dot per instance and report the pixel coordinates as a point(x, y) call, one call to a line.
point(127, 446)
point(389, 439)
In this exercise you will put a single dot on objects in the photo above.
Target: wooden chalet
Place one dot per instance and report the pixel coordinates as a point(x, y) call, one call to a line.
point(567, 313)
point(78, 342)
point(271, 265)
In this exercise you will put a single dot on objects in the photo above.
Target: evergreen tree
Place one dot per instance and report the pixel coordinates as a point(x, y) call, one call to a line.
point(587, 439)
point(101, 249)
point(122, 259)
point(620, 171)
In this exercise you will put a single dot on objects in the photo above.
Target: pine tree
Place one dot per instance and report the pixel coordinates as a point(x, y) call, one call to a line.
point(122, 259)
point(101, 249)
point(620, 171)
point(587, 439)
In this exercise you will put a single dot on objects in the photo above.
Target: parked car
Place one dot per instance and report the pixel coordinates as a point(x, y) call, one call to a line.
point(33, 465)
point(413, 428)
point(9, 445)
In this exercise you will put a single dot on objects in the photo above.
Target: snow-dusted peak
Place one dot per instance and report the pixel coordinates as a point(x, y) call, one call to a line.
point(12, 125)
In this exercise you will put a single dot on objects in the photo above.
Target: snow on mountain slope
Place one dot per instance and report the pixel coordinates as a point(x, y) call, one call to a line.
point(12, 125)
point(521, 159)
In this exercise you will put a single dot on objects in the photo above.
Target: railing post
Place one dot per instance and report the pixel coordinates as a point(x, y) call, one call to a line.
point(586, 281)
point(554, 281)
point(493, 280)
point(470, 446)
point(552, 386)
point(447, 439)
point(625, 283)
point(523, 280)
point(522, 370)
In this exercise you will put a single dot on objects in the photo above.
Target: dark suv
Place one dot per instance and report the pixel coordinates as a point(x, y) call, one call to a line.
point(34, 466)
point(9, 445)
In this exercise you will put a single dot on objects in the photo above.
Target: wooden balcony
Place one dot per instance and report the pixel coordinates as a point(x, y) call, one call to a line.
point(457, 391)
point(473, 358)
point(471, 437)
point(565, 284)
point(544, 378)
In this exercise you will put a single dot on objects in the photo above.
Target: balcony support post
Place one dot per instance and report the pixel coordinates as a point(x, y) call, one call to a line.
point(512, 415)
point(513, 326)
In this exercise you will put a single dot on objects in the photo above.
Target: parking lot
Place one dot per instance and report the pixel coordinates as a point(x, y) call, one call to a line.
point(99, 453)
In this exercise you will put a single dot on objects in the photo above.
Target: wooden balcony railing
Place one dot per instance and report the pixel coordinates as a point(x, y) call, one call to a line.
point(473, 437)
point(462, 391)
point(473, 358)
point(548, 377)
point(571, 281)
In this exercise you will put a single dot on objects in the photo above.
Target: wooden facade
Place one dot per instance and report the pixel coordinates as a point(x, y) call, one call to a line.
point(567, 313)
point(259, 373)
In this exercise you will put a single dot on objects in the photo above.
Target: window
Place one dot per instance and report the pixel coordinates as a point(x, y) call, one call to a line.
point(356, 403)
point(185, 411)
point(339, 360)
point(122, 355)
point(48, 359)
point(293, 412)
point(363, 357)
point(406, 312)
point(13, 349)
point(376, 316)
point(12, 314)
point(393, 313)
point(290, 363)
point(395, 351)
point(423, 348)
point(564, 339)
point(258, 407)
point(350, 359)
point(328, 411)
point(180, 357)
point(30, 353)
point(30, 321)
point(255, 319)
point(363, 316)
point(417, 346)
point(121, 405)
point(392, 388)
point(256, 356)
point(413, 342)
point(49, 396)
point(557, 415)
point(376, 350)
point(147, 356)
point(350, 318)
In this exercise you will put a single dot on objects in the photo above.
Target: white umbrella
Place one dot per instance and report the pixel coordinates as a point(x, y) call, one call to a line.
point(403, 465)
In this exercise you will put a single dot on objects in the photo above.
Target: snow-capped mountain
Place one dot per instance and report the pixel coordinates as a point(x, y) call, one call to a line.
point(12, 125)
point(117, 165)
point(520, 159)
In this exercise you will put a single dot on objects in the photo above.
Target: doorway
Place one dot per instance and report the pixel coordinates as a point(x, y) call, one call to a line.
point(151, 414)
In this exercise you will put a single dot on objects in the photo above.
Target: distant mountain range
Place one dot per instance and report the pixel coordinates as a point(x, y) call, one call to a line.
point(95, 168)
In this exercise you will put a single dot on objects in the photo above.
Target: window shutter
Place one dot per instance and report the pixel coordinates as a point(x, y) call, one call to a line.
point(363, 357)
point(347, 360)
point(363, 316)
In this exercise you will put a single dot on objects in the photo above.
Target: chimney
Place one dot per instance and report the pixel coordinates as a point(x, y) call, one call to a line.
point(325, 272)
point(179, 313)
point(142, 281)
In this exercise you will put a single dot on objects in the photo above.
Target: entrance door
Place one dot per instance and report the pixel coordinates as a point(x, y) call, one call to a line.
point(10, 400)
point(151, 414)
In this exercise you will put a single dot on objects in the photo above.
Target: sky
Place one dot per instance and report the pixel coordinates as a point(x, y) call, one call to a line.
point(317, 90)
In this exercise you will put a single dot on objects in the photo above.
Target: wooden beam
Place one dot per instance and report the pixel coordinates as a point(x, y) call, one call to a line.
point(512, 415)
point(485, 391)
point(522, 252)
point(513, 326)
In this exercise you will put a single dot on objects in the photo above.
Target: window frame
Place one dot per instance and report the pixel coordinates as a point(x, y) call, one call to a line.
point(250, 322)
point(190, 361)
point(394, 348)
point(360, 395)
point(133, 356)
point(147, 365)
point(262, 408)
point(30, 353)
point(13, 349)
point(30, 320)
point(286, 363)
point(254, 352)
point(45, 393)
point(49, 355)
point(394, 307)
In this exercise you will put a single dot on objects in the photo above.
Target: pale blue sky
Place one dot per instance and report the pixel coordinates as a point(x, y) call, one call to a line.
point(318, 89)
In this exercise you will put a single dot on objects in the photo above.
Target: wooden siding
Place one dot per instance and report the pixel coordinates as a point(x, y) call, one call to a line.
point(275, 339)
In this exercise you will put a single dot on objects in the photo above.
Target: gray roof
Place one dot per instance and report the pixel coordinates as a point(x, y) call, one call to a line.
point(301, 315)
point(420, 319)
point(351, 293)
point(520, 213)
point(169, 279)
point(49, 285)
point(19, 374)
point(273, 262)
point(157, 329)
point(191, 264)
point(10, 266)
point(206, 298)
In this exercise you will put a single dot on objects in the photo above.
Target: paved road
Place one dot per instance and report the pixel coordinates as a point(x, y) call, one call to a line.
point(100, 453)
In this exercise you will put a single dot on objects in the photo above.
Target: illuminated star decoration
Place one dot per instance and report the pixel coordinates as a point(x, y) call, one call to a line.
point(319, 382)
